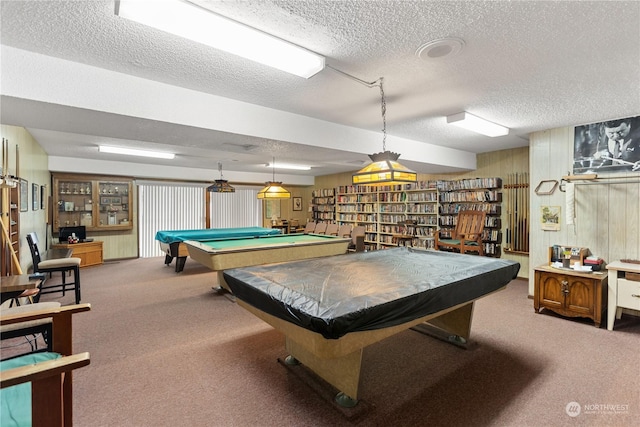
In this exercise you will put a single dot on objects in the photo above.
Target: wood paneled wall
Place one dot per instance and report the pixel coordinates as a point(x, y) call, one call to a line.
point(494, 164)
point(607, 214)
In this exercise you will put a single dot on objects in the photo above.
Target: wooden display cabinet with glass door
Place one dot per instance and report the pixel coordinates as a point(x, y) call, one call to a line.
point(99, 203)
point(73, 204)
point(114, 202)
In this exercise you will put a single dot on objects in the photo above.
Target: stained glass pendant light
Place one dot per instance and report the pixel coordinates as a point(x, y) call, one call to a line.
point(221, 185)
point(274, 189)
point(385, 168)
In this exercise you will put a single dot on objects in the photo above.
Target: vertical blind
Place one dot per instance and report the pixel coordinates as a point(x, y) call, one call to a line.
point(181, 206)
point(166, 206)
point(239, 209)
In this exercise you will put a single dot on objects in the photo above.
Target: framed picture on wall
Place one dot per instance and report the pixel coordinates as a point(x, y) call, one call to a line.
point(550, 218)
point(272, 208)
point(43, 197)
point(297, 203)
point(612, 146)
point(24, 195)
point(35, 197)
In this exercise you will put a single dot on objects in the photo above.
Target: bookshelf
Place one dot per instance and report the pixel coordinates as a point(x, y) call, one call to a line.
point(380, 208)
point(482, 194)
point(323, 207)
point(358, 205)
point(11, 220)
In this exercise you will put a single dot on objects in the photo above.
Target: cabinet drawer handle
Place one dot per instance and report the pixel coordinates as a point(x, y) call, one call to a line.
point(635, 296)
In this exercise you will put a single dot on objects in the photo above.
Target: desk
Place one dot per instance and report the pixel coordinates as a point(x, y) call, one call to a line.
point(171, 241)
point(623, 293)
point(13, 286)
point(331, 308)
point(221, 255)
point(91, 253)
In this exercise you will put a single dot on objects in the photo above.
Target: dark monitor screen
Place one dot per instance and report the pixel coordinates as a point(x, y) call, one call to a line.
point(65, 232)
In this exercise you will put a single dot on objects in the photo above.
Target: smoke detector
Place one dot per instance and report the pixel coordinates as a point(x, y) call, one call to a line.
point(441, 48)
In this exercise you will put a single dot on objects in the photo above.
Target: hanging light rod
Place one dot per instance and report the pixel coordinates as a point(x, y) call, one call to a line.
point(188, 20)
point(385, 168)
point(477, 124)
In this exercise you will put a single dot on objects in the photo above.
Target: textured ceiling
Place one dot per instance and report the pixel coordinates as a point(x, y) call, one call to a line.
point(528, 65)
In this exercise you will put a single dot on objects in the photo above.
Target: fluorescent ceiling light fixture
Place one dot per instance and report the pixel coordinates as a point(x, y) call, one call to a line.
point(133, 152)
point(288, 166)
point(476, 124)
point(201, 25)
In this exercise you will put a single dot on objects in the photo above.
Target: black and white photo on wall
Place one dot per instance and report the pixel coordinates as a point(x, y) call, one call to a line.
point(612, 146)
point(43, 197)
point(35, 197)
point(24, 195)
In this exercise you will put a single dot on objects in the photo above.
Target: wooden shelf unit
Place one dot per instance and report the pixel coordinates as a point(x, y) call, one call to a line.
point(577, 254)
point(380, 208)
point(100, 203)
point(481, 194)
point(323, 206)
point(11, 219)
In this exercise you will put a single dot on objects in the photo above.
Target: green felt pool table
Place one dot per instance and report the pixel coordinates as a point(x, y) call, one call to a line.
point(171, 241)
point(221, 255)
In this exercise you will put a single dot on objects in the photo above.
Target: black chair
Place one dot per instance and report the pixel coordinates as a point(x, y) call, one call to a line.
point(63, 265)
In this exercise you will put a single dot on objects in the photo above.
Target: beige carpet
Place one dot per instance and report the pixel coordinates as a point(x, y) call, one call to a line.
point(168, 351)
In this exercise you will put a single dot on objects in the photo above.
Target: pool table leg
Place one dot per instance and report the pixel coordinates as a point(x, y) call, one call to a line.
point(342, 372)
point(456, 322)
point(180, 263)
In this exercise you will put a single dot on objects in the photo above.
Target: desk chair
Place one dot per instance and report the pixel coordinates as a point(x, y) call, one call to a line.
point(406, 233)
point(467, 235)
point(63, 265)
